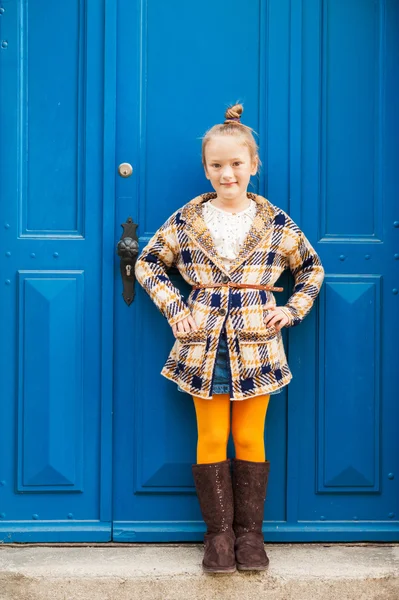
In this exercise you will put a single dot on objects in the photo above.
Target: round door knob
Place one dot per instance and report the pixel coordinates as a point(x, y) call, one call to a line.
point(125, 169)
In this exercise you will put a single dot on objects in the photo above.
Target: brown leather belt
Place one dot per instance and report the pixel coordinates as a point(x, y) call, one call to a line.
point(231, 284)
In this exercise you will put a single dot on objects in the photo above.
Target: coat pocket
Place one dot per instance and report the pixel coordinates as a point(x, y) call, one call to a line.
point(192, 337)
point(256, 336)
point(191, 349)
point(258, 347)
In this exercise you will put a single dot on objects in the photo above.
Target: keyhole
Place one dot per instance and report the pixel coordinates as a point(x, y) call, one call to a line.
point(125, 169)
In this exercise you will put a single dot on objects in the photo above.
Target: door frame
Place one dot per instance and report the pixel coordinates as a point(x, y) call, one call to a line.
point(107, 276)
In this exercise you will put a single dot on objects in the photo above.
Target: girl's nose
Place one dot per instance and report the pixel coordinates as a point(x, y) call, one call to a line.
point(227, 172)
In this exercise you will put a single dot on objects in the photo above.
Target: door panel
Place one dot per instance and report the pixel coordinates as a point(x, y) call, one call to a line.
point(182, 76)
point(55, 353)
point(317, 79)
point(343, 413)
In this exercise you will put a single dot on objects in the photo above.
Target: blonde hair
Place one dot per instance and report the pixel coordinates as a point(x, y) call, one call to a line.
point(233, 126)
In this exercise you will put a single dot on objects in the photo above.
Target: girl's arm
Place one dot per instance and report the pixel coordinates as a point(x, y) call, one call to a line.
point(308, 272)
point(151, 272)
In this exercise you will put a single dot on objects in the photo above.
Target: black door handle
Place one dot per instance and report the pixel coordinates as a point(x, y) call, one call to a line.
point(128, 249)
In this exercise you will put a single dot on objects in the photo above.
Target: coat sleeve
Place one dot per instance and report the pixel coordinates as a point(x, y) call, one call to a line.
point(151, 272)
point(308, 273)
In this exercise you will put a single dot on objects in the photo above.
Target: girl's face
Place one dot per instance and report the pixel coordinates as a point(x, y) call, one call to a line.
point(228, 166)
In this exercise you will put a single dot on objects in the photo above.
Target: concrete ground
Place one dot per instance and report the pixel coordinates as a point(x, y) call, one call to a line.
point(173, 572)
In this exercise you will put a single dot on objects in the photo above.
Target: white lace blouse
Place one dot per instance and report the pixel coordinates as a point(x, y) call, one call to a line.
point(228, 230)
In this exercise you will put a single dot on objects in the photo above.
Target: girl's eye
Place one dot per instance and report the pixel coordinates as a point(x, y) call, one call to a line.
point(237, 164)
point(215, 166)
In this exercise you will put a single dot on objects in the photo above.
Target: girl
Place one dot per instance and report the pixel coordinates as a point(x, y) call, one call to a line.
point(231, 246)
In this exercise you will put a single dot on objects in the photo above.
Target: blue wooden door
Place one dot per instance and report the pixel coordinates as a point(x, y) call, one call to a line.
point(318, 79)
point(91, 436)
point(56, 199)
point(343, 417)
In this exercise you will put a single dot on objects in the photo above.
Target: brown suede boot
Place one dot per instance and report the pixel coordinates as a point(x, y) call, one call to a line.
point(215, 495)
point(249, 488)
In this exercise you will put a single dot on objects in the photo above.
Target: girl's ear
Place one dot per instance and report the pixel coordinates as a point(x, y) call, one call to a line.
point(255, 165)
point(206, 172)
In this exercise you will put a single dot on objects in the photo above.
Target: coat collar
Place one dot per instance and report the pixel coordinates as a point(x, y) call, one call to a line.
point(200, 235)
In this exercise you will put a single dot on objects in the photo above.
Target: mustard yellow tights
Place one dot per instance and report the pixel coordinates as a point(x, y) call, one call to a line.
point(247, 424)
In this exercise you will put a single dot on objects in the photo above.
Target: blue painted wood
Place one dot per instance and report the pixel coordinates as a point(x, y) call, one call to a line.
point(347, 458)
point(345, 402)
point(51, 101)
point(56, 263)
point(107, 267)
point(277, 532)
point(157, 430)
point(50, 404)
point(96, 434)
point(317, 81)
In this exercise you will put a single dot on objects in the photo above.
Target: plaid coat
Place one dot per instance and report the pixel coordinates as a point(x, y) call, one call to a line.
point(258, 364)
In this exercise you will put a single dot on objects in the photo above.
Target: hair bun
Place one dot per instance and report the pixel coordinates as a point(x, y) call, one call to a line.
point(233, 113)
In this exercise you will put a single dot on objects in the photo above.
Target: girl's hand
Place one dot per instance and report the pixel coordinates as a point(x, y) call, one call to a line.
point(184, 326)
point(276, 317)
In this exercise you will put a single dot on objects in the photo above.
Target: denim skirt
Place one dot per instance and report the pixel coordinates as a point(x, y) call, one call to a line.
point(221, 378)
